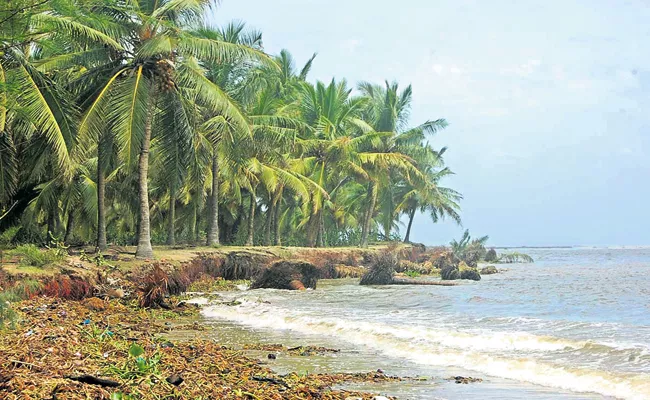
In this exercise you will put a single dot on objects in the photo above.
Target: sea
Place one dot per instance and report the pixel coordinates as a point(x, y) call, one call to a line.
point(575, 324)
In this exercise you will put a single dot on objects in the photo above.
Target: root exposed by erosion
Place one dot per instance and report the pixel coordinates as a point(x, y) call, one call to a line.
point(382, 272)
point(244, 265)
point(289, 275)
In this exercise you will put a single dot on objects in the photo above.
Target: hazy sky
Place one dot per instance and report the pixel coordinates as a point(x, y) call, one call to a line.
point(548, 102)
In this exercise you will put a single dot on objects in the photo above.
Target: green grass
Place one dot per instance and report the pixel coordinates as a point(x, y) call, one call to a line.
point(32, 256)
point(412, 274)
point(8, 316)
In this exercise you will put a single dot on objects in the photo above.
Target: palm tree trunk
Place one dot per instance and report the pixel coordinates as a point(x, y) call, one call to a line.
point(213, 227)
point(171, 237)
point(101, 197)
point(407, 238)
point(57, 224)
point(312, 229)
point(69, 228)
point(270, 213)
point(251, 220)
point(321, 232)
point(192, 226)
point(51, 228)
point(144, 249)
point(387, 226)
point(276, 220)
point(365, 231)
point(197, 227)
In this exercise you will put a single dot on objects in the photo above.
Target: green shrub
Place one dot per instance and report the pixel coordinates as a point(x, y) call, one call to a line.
point(31, 256)
point(412, 274)
point(7, 236)
point(7, 314)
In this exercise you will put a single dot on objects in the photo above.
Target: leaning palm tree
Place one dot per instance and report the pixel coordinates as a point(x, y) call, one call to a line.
point(159, 70)
point(439, 202)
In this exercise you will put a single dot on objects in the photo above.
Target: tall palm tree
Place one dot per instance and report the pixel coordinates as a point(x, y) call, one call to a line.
point(228, 76)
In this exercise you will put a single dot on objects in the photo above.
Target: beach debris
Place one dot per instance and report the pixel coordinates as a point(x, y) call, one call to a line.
point(93, 380)
point(175, 379)
point(460, 271)
point(331, 270)
point(304, 351)
point(464, 380)
point(489, 270)
point(137, 359)
point(270, 380)
point(94, 304)
point(443, 259)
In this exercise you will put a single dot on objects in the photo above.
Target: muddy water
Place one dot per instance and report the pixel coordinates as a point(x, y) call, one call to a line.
point(559, 328)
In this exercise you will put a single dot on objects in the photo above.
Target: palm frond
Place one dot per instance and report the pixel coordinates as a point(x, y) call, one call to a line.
point(73, 28)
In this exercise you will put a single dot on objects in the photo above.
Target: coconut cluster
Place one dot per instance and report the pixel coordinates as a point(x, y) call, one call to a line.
point(164, 73)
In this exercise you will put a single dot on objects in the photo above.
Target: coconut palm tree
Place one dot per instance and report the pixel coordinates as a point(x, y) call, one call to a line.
point(439, 202)
point(159, 70)
point(228, 76)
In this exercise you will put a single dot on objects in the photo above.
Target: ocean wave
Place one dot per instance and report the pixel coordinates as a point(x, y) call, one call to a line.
point(477, 351)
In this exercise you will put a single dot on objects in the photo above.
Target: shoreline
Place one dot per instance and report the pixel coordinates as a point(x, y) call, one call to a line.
point(175, 314)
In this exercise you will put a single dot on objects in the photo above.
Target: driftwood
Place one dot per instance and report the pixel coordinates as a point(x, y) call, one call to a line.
point(93, 380)
point(399, 281)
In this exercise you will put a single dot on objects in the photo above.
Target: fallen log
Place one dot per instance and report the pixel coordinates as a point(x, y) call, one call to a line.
point(399, 281)
point(93, 380)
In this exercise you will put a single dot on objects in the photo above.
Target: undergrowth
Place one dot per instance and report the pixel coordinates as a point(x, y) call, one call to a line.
point(31, 256)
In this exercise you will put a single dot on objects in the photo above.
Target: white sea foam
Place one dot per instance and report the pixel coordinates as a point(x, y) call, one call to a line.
point(486, 352)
